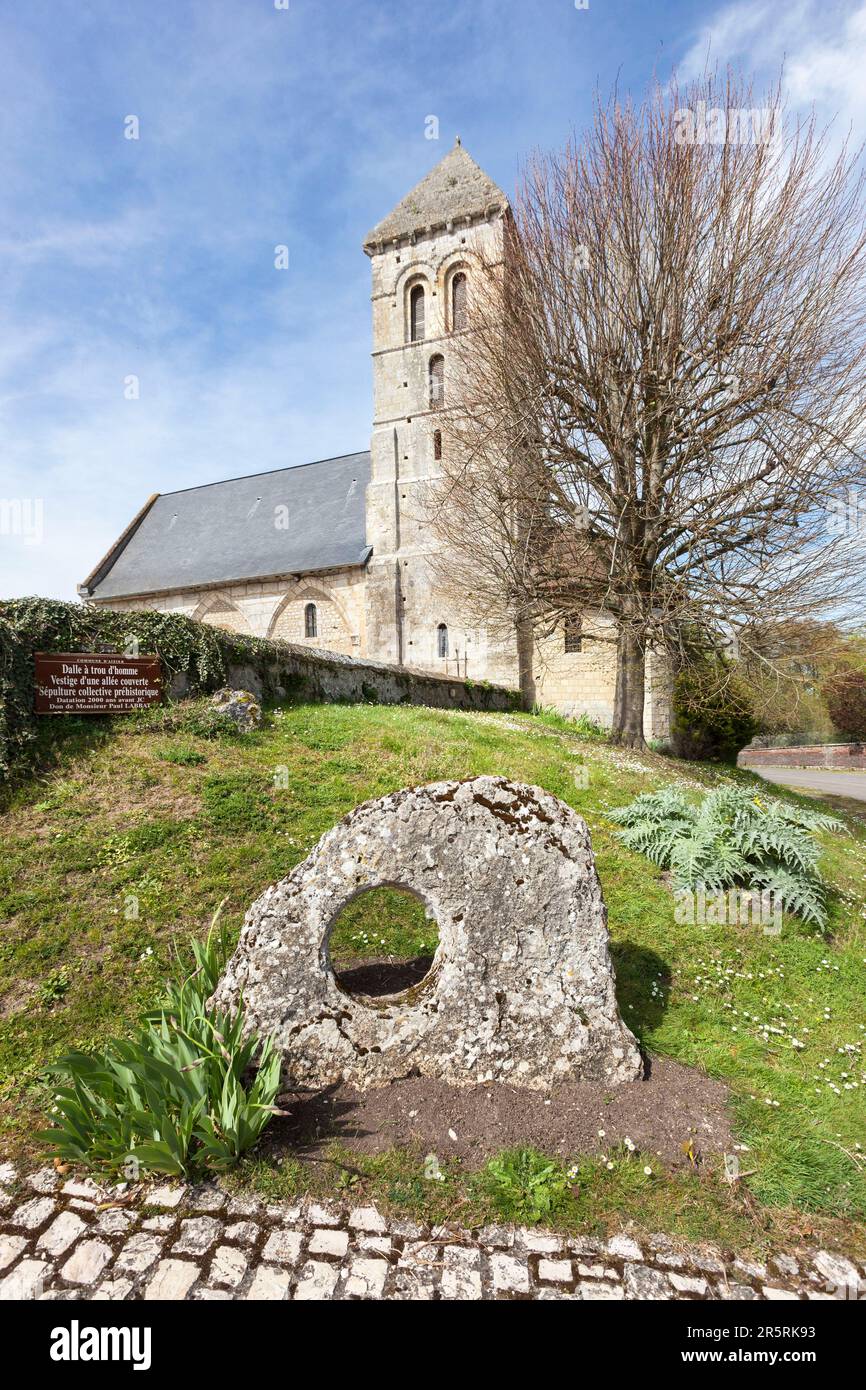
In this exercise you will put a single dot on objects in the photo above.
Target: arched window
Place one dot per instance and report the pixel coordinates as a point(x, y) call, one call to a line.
point(416, 314)
point(574, 634)
point(459, 302)
point(437, 444)
point(442, 640)
point(311, 626)
point(437, 382)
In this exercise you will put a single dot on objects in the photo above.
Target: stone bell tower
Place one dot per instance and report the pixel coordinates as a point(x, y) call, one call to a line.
point(423, 256)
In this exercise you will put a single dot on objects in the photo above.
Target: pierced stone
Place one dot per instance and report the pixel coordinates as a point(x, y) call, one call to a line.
point(516, 897)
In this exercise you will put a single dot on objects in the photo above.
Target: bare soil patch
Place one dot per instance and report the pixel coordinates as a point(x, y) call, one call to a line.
point(16, 1000)
point(659, 1113)
point(377, 977)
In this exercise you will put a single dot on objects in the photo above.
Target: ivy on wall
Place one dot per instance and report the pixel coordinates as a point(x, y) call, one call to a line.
point(200, 655)
point(196, 659)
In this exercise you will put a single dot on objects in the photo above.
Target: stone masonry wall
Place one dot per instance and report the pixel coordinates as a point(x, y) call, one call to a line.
point(307, 667)
point(584, 682)
point(833, 755)
point(403, 607)
point(404, 602)
point(273, 608)
point(198, 658)
point(575, 683)
point(318, 675)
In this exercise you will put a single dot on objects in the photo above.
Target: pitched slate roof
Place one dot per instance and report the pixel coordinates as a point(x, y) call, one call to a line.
point(226, 531)
point(455, 187)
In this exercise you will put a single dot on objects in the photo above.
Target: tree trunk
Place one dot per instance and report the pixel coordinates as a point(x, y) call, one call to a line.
point(619, 693)
point(525, 654)
point(628, 704)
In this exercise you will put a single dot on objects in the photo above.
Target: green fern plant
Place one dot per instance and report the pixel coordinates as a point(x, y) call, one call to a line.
point(733, 838)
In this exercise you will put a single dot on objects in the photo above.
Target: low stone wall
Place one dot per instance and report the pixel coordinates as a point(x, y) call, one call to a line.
point(319, 675)
point(198, 658)
point(833, 755)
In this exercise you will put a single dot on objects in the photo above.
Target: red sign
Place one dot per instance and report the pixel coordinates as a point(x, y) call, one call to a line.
point(95, 682)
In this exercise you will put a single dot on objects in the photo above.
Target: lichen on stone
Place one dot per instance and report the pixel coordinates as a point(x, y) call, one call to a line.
point(240, 706)
point(522, 985)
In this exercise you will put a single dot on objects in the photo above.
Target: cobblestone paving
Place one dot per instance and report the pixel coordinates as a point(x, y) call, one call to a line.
point(72, 1240)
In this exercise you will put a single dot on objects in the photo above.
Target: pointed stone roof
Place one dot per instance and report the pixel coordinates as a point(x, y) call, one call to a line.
point(454, 189)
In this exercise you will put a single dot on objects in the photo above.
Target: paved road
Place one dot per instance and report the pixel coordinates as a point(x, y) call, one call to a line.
point(817, 779)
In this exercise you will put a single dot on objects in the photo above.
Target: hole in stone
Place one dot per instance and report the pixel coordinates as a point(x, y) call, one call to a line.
point(382, 942)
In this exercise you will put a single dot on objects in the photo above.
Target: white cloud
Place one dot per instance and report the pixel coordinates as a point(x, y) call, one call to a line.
point(82, 242)
point(822, 48)
point(155, 258)
point(257, 127)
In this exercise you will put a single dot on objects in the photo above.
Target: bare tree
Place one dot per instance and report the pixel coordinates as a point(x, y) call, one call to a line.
point(785, 665)
point(660, 394)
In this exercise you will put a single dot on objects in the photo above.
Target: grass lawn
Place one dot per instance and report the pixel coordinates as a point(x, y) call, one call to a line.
point(118, 855)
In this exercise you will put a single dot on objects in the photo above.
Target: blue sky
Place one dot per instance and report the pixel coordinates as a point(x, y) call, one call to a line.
point(260, 126)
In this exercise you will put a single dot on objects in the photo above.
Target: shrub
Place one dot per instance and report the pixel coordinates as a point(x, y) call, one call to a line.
point(586, 727)
point(844, 694)
point(524, 1185)
point(733, 838)
point(194, 651)
point(174, 1099)
point(712, 711)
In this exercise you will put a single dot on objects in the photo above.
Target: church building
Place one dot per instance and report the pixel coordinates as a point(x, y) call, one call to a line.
point(332, 554)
